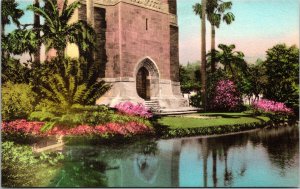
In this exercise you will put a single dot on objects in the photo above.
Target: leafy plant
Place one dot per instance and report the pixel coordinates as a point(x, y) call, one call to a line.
point(71, 82)
point(20, 164)
point(18, 101)
point(12, 70)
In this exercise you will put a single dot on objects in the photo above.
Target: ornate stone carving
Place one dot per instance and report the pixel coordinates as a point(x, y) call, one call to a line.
point(152, 4)
point(149, 3)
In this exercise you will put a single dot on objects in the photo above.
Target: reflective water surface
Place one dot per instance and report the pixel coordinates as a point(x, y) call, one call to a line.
point(253, 159)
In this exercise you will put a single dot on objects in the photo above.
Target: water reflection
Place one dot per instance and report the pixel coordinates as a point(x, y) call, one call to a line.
point(261, 158)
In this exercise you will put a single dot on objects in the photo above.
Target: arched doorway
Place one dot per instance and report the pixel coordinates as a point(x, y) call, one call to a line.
point(143, 83)
point(147, 79)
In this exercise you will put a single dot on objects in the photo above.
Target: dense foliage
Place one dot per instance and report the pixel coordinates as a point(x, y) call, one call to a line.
point(189, 76)
point(19, 165)
point(282, 72)
point(18, 101)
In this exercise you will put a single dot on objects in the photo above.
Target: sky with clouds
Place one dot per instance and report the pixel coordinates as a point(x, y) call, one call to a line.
point(258, 25)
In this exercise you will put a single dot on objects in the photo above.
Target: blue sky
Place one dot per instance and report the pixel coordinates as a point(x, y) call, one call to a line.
point(258, 25)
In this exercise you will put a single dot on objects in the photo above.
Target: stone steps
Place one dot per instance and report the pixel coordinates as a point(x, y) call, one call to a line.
point(152, 105)
point(179, 111)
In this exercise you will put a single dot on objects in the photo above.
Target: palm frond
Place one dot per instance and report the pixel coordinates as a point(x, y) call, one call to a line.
point(229, 17)
point(68, 11)
point(198, 9)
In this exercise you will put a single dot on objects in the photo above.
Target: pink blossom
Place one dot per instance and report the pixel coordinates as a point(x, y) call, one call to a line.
point(271, 106)
point(33, 128)
point(129, 108)
point(226, 96)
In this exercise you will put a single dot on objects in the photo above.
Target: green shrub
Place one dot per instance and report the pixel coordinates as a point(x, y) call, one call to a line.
point(41, 116)
point(18, 101)
point(70, 82)
point(196, 100)
point(20, 165)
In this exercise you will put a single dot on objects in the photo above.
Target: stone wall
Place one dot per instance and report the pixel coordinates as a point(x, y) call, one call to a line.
point(174, 53)
point(112, 69)
point(138, 41)
point(100, 28)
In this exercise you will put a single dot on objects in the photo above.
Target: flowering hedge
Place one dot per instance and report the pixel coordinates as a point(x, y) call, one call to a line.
point(270, 106)
point(33, 128)
point(226, 96)
point(129, 108)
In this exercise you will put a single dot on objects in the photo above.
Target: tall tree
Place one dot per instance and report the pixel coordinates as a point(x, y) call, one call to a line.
point(57, 32)
point(216, 11)
point(282, 71)
point(36, 26)
point(203, 54)
point(9, 14)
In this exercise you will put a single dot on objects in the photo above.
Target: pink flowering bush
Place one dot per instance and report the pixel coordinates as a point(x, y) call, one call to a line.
point(22, 126)
point(129, 108)
point(33, 128)
point(277, 111)
point(226, 97)
point(270, 106)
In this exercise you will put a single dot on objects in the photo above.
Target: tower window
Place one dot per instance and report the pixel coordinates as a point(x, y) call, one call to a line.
point(146, 23)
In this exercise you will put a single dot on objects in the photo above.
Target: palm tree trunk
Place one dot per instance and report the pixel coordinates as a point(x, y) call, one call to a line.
point(203, 55)
point(213, 48)
point(205, 158)
point(232, 72)
point(214, 156)
point(36, 25)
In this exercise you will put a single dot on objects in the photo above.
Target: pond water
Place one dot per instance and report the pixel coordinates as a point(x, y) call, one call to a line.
point(263, 158)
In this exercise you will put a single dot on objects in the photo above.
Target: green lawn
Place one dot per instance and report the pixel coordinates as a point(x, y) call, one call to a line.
point(222, 119)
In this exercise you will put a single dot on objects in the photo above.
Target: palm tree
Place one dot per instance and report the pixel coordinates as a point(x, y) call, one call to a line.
point(10, 13)
point(216, 10)
point(57, 32)
point(36, 26)
point(233, 61)
point(203, 55)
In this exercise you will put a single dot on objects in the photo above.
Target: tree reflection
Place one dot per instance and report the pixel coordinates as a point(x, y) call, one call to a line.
point(282, 145)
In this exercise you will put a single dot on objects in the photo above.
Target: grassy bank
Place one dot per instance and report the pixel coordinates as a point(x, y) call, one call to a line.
point(213, 119)
point(208, 124)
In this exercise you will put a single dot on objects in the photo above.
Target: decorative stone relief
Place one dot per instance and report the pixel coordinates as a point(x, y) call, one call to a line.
point(149, 3)
point(152, 4)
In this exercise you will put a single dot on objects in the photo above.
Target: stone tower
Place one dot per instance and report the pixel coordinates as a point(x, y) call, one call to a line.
point(137, 49)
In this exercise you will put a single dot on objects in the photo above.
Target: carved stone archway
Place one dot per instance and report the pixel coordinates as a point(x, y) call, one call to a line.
point(147, 79)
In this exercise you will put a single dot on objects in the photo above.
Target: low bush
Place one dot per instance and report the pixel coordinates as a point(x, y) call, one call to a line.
point(18, 101)
point(277, 111)
point(36, 129)
point(195, 100)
